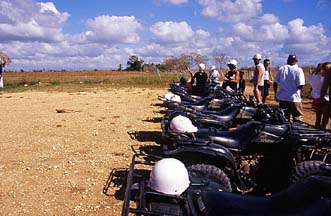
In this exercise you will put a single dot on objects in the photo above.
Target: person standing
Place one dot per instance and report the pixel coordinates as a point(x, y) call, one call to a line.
point(291, 79)
point(326, 91)
point(321, 109)
point(214, 75)
point(267, 80)
point(200, 80)
point(258, 78)
point(242, 82)
point(232, 76)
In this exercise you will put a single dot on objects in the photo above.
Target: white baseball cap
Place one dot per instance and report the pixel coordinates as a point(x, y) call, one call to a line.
point(257, 56)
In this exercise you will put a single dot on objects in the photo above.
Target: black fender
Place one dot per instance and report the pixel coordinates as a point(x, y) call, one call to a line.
point(211, 153)
point(210, 150)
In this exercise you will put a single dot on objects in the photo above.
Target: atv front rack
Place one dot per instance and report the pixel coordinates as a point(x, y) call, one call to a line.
point(136, 189)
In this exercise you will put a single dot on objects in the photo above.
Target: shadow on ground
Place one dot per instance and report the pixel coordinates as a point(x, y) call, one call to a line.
point(146, 136)
point(154, 120)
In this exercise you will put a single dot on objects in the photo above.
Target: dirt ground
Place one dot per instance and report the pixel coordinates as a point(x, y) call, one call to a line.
point(59, 148)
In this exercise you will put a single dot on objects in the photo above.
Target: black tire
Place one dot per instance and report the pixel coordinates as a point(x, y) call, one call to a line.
point(305, 169)
point(214, 174)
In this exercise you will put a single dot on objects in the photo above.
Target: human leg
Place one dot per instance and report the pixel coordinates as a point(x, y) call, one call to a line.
point(325, 112)
point(265, 93)
point(287, 109)
point(297, 111)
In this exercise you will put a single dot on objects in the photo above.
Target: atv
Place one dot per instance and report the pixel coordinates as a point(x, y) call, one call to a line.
point(308, 196)
point(257, 156)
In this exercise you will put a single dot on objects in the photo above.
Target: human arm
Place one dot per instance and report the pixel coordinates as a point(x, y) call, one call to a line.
point(301, 80)
point(236, 78)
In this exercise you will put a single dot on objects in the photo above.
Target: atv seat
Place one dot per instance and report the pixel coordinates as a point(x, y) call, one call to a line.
point(226, 115)
point(301, 198)
point(235, 139)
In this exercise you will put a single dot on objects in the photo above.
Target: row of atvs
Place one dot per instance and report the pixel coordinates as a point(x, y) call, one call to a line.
point(224, 155)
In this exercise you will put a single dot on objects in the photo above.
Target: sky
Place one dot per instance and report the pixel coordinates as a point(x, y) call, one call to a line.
point(102, 34)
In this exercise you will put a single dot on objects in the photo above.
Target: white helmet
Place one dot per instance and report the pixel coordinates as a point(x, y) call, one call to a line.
point(213, 67)
point(202, 66)
point(229, 89)
point(176, 98)
point(172, 97)
point(169, 176)
point(182, 124)
point(257, 56)
point(168, 96)
point(232, 62)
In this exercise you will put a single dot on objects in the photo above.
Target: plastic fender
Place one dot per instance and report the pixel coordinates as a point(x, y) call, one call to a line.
point(216, 151)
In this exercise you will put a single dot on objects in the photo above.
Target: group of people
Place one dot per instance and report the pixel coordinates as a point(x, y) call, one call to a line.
point(287, 85)
point(233, 80)
point(291, 80)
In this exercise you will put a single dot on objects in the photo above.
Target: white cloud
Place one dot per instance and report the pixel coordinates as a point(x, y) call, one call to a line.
point(268, 19)
point(270, 32)
point(202, 34)
point(27, 20)
point(31, 33)
point(172, 32)
point(231, 11)
point(63, 55)
point(306, 40)
point(302, 34)
point(176, 2)
point(113, 29)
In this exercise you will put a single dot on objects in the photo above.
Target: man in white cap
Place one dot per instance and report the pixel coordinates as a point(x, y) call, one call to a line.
point(258, 77)
point(291, 79)
point(232, 76)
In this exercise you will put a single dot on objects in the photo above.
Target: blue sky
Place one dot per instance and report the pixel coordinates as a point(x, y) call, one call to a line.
point(101, 34)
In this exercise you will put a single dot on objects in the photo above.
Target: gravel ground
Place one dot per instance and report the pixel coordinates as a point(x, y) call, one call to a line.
point(59, 148)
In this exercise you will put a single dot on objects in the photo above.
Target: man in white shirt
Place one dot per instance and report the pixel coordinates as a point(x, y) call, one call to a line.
point(291, 79)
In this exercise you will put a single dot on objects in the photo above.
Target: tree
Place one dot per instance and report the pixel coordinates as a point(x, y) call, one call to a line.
point(198, 58)
point(135, 64)
point(221, 59)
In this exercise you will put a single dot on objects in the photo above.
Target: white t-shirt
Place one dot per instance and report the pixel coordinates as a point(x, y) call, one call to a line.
point(214, 75)
point(266, 75)
point(262, 76)
point(316, 82)
point(289, 78)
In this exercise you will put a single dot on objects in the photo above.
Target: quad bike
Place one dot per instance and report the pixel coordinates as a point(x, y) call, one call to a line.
point(308, 196)
point(180, 97)
point(258, 157)
point(174, 102)
point(232, 116)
